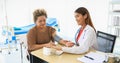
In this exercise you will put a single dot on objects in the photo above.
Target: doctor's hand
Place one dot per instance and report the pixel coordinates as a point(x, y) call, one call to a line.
point(66, 43)
point(69, 44)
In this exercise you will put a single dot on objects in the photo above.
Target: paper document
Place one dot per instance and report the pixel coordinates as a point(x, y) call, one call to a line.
point(92, 57)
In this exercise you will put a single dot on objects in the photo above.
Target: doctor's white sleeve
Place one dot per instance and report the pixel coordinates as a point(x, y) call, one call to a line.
point(83, 46)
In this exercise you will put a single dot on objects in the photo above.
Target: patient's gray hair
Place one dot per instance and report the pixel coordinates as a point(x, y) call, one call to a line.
point(39, 12)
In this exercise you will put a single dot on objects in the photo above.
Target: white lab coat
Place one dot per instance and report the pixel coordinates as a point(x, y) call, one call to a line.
point(86, 41)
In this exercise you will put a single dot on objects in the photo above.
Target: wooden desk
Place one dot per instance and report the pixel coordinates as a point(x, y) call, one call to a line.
point(64, 58)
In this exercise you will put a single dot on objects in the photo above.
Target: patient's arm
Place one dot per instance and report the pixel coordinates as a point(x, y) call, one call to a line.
point(33, 46)
point(61, 41)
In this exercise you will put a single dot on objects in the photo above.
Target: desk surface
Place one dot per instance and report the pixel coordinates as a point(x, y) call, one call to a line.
point(64, 58)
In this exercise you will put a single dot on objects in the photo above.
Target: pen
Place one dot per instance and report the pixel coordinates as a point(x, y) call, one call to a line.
point(89, 57)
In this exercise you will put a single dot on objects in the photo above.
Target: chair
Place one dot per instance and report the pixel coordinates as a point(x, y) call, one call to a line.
point(105, 41)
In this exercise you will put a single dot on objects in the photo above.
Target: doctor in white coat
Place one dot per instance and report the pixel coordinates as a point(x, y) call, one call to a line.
point(86, 35)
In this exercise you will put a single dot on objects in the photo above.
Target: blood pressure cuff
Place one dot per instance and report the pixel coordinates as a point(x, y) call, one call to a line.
point(57, 38)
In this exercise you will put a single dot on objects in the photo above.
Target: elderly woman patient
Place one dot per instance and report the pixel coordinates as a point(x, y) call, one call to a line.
point(41, 35)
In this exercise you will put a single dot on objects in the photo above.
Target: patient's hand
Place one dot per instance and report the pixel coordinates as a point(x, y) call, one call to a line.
point(57, 47)
point(50, 44)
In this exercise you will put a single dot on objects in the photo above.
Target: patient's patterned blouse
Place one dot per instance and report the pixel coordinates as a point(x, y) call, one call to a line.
point(36, 36)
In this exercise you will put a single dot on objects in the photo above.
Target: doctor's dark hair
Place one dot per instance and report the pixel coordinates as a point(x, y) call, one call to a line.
point(39, 12)
point(83, 11)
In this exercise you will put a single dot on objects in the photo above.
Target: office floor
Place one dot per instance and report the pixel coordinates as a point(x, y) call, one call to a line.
point(14, 56)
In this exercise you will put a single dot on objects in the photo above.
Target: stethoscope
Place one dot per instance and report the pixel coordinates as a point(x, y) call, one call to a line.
point(76, 43)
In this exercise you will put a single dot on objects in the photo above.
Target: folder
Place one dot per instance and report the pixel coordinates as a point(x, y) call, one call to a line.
point(93, 57)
